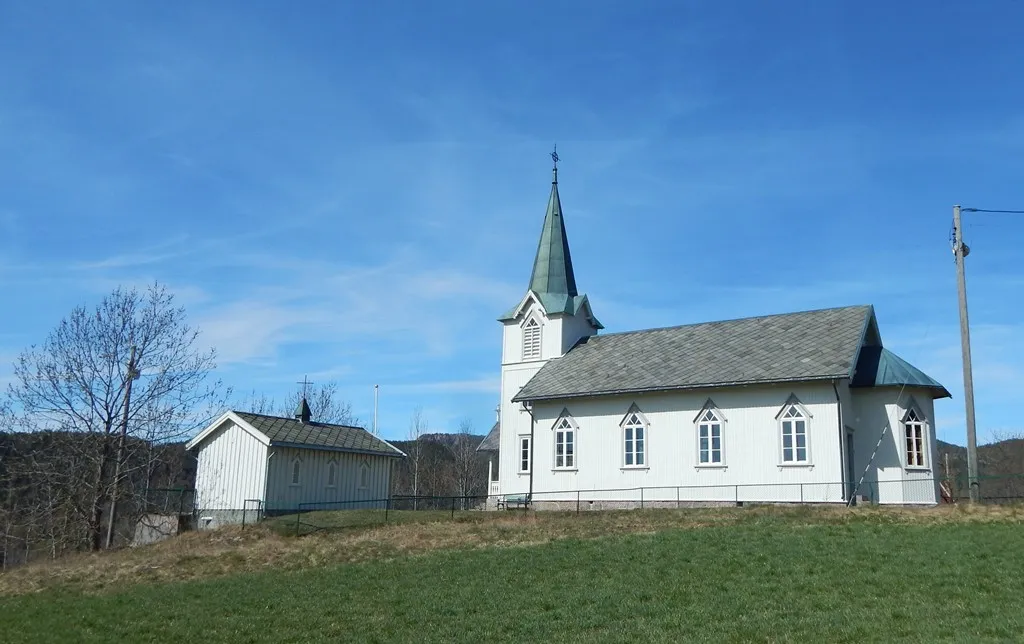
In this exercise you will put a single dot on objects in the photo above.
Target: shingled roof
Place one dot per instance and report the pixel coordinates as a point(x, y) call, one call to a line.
point(811, 345)
point(290, 432)
point(492, 441)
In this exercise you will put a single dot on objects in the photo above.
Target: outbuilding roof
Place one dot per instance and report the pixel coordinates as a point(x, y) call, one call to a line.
point(810, 345)
point(291, 432)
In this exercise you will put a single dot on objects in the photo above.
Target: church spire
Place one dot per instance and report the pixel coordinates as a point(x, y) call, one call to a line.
point(552, 268)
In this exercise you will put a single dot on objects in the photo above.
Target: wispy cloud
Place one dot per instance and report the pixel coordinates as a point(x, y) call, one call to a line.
point(155, 254)
point(483, 384)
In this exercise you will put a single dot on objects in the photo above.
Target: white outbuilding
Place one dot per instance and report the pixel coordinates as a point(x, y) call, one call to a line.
point(252, 463)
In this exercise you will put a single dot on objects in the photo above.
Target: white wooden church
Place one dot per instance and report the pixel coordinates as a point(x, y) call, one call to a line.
point(797, 407)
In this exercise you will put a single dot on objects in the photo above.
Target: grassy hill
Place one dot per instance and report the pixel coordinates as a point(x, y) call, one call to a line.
point(761, 574)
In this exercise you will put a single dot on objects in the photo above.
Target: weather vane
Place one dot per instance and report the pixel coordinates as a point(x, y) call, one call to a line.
point(554, 155)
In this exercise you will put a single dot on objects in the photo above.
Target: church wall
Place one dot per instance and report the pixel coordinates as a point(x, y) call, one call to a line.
point(231, 469)
point(514, 423)
point(850, 425)
point(512, 344)
point(887, 479)
point(573, 328)
point(751, 439)
point(551, 338)
point(313, 487)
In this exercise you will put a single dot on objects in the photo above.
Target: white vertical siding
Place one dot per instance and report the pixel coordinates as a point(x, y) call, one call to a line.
point(572, 329)
point(282, 494)
point(559, 334)
point(888, 480)
point(231, 469)
point(514, 422)
point(753, 468)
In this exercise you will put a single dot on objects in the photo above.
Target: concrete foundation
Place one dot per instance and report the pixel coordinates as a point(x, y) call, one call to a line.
point(210, 519)
point(157, 527)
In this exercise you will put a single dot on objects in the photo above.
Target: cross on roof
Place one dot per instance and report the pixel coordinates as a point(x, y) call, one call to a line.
point(305, 384)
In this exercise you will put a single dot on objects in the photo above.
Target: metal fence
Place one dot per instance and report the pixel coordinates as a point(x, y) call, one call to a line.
point(1001, 488)
point(312, 517)
point(341, 515)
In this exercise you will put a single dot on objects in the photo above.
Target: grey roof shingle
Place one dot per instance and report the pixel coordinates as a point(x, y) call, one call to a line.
point(491, 441)
point(342, 438)
point(811, 345)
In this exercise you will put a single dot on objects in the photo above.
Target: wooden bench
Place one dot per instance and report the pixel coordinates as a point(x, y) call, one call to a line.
point(510, 501)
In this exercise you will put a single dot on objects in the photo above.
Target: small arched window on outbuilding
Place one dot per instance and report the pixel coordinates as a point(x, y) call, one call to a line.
point(332, 473)
point(296, 471)
point(364, 475)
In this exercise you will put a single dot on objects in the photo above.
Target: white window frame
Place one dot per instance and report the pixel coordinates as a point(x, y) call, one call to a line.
point(524, 454)
point(295, 473)
point(699, 423)
point(920, 421)
point(569, 430)
point(364, 476)
point(332, 473)
point(635, 420)
point(536, 347)
point(783, 417)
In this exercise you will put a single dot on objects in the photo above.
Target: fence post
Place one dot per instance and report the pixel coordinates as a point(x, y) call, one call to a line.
point(453, 507)
point(801, 492)
point(387, 506)
point(243, 515)
point(641, 498)
point(677, 497)
point(297, 512)
point(737, 494)
point(577, 502)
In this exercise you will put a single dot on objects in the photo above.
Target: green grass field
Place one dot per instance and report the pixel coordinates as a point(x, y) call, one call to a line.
point(773, 577)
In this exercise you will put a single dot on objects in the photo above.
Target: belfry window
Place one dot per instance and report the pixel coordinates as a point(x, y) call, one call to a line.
point(531, 340)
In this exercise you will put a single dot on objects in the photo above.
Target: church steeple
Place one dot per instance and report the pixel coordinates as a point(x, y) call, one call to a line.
point(552, 267)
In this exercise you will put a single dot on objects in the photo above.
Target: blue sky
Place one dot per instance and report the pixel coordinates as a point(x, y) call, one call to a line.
point(354, 190)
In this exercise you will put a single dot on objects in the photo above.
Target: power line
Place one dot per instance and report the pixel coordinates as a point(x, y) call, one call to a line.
point(960, 251)
point(1007, 212)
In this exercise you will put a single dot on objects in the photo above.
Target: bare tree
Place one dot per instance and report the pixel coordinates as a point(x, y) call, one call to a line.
point(257, 403)
point(417, 427)
point(77, 381)
point(467, 474)
point(325, 405)
point(1002, 463)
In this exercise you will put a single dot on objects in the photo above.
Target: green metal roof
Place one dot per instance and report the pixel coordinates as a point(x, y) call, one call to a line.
point(879, 367)
point(558, 303)
point(552, 268)
point(552, 279)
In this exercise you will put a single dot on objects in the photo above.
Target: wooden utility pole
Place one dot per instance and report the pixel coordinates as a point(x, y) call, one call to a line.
point(132, 375)
point(960, 251)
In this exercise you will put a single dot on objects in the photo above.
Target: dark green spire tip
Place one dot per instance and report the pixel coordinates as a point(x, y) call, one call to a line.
point(552, 268)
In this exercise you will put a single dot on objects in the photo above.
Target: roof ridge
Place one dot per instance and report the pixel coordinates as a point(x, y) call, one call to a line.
point(750, 317)
point(312, 423)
